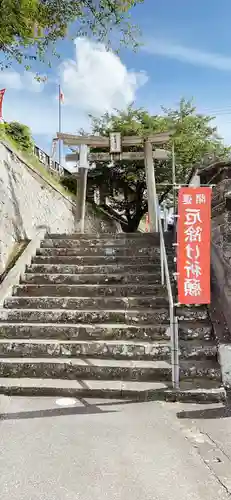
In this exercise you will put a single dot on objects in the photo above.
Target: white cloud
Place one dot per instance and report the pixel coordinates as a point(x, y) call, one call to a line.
point(14, 80)
point(187, 54)
point(30, 82)
point(223, 124)
point(10, 79)
point(97, 81)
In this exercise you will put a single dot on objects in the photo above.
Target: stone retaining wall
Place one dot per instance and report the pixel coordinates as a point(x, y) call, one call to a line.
point(28, 201)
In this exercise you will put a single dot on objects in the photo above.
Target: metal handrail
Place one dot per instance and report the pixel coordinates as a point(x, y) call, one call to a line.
point(173, 322)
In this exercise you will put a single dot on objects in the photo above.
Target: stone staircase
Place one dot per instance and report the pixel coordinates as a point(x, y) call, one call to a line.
point(90, 318)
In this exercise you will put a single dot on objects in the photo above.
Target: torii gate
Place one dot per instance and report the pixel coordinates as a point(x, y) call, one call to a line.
point(115, 144)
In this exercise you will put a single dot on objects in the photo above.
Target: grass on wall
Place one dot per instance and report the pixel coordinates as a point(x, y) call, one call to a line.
point(34, 162)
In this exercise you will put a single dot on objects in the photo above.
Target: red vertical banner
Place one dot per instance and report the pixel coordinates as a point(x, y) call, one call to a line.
point(193, 250)
point(2, 92)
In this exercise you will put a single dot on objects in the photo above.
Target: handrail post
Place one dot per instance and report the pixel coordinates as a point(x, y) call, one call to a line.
point(176, 352)
point(174, 349)
point(162, 271)
point(172, 336)
point(165, 217)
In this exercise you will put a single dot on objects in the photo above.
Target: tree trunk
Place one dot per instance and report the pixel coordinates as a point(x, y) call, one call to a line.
point(133, 223)
point(132, 226)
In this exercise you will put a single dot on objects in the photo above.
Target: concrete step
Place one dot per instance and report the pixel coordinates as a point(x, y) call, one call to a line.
point(140, 316)
point(101, 236)
point(96, 260)
point(185, 313)
point(103, 331)
point(89, 270)
point(85, 368)
point(201, 368)
point(129, 317)
point(89, 290)
point(102, 303)
point(197, 330)
point(113, 349)
point(95, 279)
point(105, 236)
point(190, 392)
point(103, 251)
point(100, 242)
point(105, 369)
point(196, 350)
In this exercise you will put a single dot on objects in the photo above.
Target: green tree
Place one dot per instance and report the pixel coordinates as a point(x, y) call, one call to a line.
point(28, 28)
point(20, 134)
point(193, 134)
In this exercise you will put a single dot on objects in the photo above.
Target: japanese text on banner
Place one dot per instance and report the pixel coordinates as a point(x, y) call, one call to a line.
point(194, 245)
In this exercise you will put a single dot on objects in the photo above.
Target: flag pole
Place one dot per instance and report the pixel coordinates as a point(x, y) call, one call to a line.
point(60, 124)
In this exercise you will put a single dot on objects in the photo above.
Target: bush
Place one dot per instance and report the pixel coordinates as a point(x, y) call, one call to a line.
point(20, 134)
point(70, 183)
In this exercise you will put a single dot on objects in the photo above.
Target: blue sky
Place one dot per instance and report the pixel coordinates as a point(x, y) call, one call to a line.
point(186, 52)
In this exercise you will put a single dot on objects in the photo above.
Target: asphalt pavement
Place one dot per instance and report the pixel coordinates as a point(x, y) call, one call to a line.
point(98, 450)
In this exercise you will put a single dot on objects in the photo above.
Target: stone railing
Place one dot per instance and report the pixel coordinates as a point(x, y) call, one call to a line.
point(47, 161)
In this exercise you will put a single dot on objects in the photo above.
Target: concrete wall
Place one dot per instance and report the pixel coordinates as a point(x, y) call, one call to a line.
point(225, 362)
point(27, 202)
point(220, 307)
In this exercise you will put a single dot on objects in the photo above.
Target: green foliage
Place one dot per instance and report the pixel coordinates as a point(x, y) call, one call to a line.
point(19, 142)
point(194, 137)
point(20, 134)
point(2, 129)
point(70, 183)
point(29, 28)
point(193, 134)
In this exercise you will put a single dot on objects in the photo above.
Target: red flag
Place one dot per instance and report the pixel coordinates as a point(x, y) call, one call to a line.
point(193, 237)
point(61, 97)
point(2, 92)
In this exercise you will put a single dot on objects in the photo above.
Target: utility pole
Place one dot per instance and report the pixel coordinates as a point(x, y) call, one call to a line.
point(81, 188)
point(151, 186)
point(60, 122)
